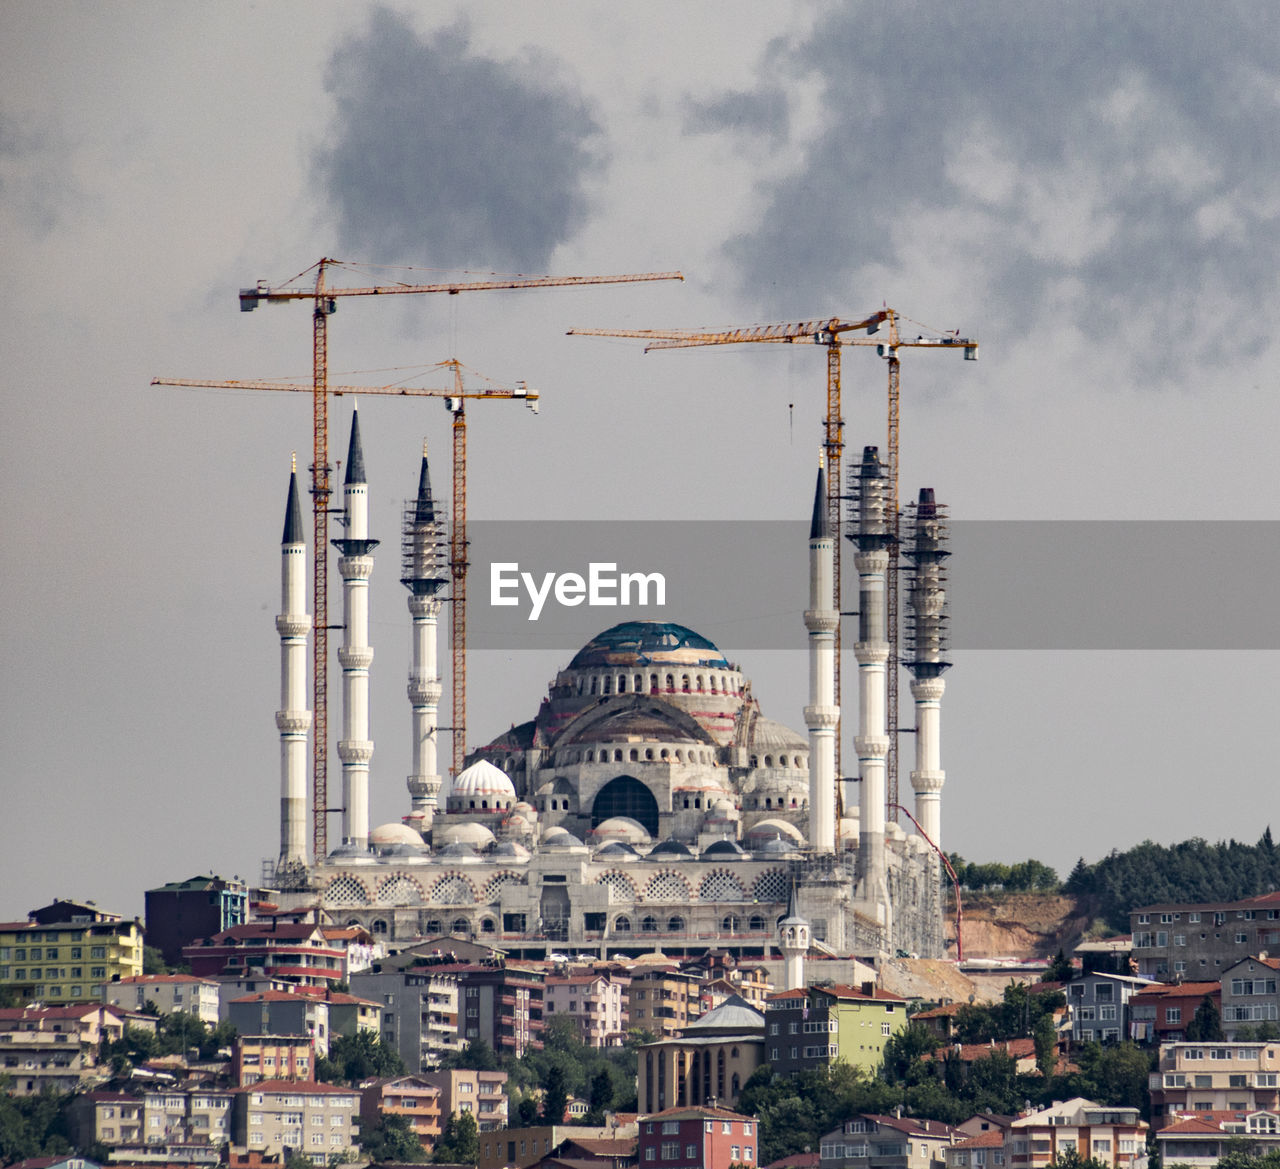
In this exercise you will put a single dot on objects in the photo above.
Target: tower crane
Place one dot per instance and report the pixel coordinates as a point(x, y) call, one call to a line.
point(832, 333)
point(312, 284)
point(455, 398)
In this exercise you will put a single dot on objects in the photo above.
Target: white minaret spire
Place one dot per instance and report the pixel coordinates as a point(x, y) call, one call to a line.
point(293, 719)
point(871, 537)
point(355, 748)
point(793, 941)
point(822, 714)
point(424, 575)
point(927, 641)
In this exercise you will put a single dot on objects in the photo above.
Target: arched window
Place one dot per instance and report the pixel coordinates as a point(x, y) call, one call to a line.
point(720, 1072)
point(731, 923)
point(461, 926)
point(665, 753)
point(487, 926)
point(635, 755)
point(639, 683)
point(768, 802)
point(648, 753)
point(622, 924)
point(698, 683)
point(713, 684)
point(756, 923)
point(622, 684)
point(591, 756)
point(768, 760)
point(433, 926)
point(675, 925)
point(593, 683)
point(648, 925)
point(484, 805)
point(379, 926)
point(735, 1074)
point(686, 801)
point(671, 683)
point(653, 683)
point(782, 761)
point(684, 683)
point(617, 755)
point(608, 686)
point(697, 801)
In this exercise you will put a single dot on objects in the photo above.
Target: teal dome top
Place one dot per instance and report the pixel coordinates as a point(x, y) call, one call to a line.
point(643, 643)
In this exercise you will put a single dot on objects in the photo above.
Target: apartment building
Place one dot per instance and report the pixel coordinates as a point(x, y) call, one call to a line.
point(272, 1057)
point(113, 1119)
point(698, 1137)
point(187, 1117)
point(1200, 1140)
point(662, 1000)
point(483, 1094)
point(1160, 1012)
point(54, 1048)
point(167, 993)
point(183, 912)
point(1112, 1136)
point(65, 952)
point(1199, 942)
point(1249, 994)
point(297, 953)
point(1216, 1077)
point(284, 1117)
point(1099, 1006)
point(597, 1002)
point(886, 1142)
point(799, 1031)
point(413, 1097)
point(865, 1019)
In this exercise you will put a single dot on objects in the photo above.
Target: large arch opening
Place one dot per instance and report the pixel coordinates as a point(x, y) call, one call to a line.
point(626, 796)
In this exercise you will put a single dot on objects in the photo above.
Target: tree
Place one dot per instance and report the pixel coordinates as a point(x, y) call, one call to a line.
point(601, 1095)
point(1060, 969)
point(476, 1055)
point(904, 1049)
point(1207, 1024)
point(357, 1057)
point(460, 1141)
point(1045, 1036)
point(1071, 1159)
point(392, 1139)
point(555, 1097)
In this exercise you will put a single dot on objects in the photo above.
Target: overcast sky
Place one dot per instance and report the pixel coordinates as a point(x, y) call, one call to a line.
point(1089, 188)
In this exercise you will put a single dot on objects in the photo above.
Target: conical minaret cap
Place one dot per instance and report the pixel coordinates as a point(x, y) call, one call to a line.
point(355, 453)
point(818, 529)
point(426, 508)
point(293, 514)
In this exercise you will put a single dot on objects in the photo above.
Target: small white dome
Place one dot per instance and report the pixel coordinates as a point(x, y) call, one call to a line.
point(386, 834)
point(483, 779)
point(622, 828)
point(775, 827)
point(477, 835)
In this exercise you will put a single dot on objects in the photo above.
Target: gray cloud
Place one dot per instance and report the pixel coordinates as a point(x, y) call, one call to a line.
point(439, 155)
point(762, 112)
point(35, 182)
point(1107, 165)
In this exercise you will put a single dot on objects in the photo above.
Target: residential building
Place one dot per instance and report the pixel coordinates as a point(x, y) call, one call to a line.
point(66, 951)
point(167, 993)
point(190, 1118)
point(595, 1001)
point(1160, 1012)
point(281, 1117)
point(865, 1019)
point(1021, 1051)
point(296, 953)
point(54, 1048)
point(1099, 1006)
point(516, 1148)
point(887, 1142)
point(1113, 1136)
point(697, 1137)
point(418, 1010)
point(983, 1151)
point(662, 1000)
point(272, 1057)
point(183, 912)
point(1249, 994)
point(413, 1097)
point(799, 1031)
point(1216, 1077)
point(710, 1060)
point(483, 1094)
point(1201, 1139)
point(503, 1004)
point(940, 1020)
point(113, 1119)
point(277, 1012)
point(1201, 941)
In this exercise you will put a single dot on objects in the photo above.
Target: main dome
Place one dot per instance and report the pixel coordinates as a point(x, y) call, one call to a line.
point(643, 643)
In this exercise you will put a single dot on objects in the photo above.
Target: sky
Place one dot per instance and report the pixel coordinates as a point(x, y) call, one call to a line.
point(1085, 188)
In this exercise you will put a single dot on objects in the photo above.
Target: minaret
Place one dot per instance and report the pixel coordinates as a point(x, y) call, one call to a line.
point(355, 564)
point(424, 573)
point(822, 714)
point(293, 719)
point(871, 536)
point(793, 941)
point(926, 643)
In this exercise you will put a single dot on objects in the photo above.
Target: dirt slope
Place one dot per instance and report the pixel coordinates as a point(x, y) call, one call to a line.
point(1019, 925)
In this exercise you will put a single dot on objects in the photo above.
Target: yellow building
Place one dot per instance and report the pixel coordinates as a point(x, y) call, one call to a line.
point(67, 951)
point(865, 1019)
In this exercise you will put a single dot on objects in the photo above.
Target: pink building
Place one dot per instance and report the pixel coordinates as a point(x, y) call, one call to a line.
point(598, 1003)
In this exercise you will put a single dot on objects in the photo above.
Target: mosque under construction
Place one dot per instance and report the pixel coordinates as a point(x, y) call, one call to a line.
point(649, 803)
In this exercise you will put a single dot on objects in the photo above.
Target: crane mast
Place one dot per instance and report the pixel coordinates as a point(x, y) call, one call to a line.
point(324, 299)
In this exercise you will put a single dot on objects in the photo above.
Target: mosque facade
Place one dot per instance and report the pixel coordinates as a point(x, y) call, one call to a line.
point(648, 804)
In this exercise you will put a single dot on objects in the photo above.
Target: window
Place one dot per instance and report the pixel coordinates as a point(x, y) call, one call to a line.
point(670, 1150)
point(1174, 1015)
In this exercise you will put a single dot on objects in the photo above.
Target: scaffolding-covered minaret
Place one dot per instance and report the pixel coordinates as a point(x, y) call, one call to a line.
point(293, 720)
point(822, 715)
point(926, 540)
point(355, 748)
point(424, 571)
point(871, 532)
